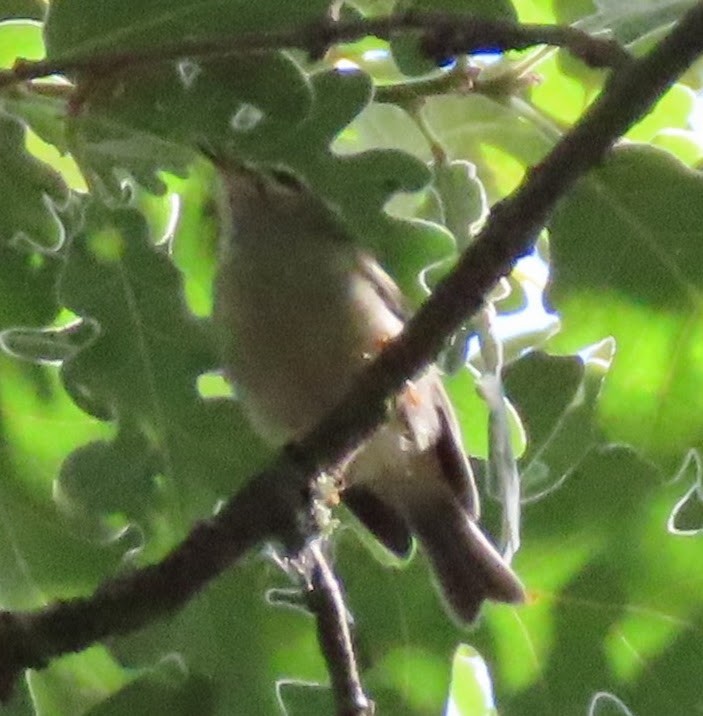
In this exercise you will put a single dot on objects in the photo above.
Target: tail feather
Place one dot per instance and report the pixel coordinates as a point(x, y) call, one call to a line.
point(467, 567)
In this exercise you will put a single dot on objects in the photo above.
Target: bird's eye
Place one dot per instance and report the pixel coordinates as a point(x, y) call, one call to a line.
point(286, 179)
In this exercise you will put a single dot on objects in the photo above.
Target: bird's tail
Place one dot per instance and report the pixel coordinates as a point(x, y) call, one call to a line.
point(468, 568)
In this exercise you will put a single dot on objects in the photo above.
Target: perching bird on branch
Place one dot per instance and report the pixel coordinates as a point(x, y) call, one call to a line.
point(300, 310)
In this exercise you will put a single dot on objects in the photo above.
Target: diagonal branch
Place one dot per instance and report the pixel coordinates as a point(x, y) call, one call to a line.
point(275, 504)
point(508, 234)
point(442, 35)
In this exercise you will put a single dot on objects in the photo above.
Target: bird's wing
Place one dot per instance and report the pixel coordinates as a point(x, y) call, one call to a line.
point(456, 468)
point(384, 285)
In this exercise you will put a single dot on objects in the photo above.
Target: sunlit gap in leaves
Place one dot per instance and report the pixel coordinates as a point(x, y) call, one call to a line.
point(471, 686)
point(381, 55)
point(532, 319)
point(214, 385)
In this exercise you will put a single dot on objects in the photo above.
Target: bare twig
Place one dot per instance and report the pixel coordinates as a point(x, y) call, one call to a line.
point(442, 35)
point(274, 504)
point(326, 601)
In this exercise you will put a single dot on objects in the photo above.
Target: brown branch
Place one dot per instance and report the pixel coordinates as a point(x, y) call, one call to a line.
point(441, 34)
point(275, 503)
point(326, 601)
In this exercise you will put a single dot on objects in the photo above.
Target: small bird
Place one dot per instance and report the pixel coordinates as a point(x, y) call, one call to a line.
point(300, 310)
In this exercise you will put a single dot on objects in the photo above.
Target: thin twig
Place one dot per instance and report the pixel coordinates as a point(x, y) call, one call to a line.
point(442, 35)
point(274, 504)
point(326, 601)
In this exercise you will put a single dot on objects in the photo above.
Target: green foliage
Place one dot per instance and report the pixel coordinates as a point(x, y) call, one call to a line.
point(115, 437)
point(643, 259)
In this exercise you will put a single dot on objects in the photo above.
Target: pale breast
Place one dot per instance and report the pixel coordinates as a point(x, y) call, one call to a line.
point(297, 334)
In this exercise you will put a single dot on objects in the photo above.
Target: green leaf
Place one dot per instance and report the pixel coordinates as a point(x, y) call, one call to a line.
point(299, 699)
point(42, 107)
point(566, 87)
point(27, 283)
point(34, 9)
point(47, 345)
point(383, 126)
point(40, 553)
point(29, 228)
point(231, 638)
point(556, 397)
point(229, 102)
point(634, 18)
point(492, 135)
point(463, 199)
point(566, 11)
point(108, 477)
point(31, 193)
point(672, 110)
point(613, 622)
point(141, 372)
point(152, 120)
point(109, 152)
point(75, 683)
point(535, 10)
point(194, 241)
point(236, 102)
point(685, 145)
point(473, 415)
point(166, 689)
point(613, 597)
point(625, 248)
point(70, 31)
point(419, 674)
